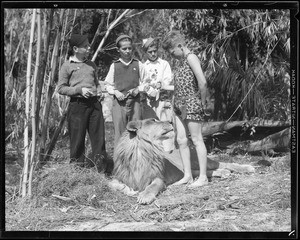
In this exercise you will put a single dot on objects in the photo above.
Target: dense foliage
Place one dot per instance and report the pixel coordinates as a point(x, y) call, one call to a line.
point(244, 52)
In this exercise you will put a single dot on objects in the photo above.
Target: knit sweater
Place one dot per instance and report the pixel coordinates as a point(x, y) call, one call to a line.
point(73, 76)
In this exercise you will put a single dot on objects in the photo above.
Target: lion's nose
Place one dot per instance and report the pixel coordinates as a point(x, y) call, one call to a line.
point(168, 123)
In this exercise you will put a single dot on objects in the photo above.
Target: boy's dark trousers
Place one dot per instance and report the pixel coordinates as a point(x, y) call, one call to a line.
point(86, 115)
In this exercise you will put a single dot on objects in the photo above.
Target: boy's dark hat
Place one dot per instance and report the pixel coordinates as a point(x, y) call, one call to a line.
point(122, 37)
point(147, 42)
point(77, 39)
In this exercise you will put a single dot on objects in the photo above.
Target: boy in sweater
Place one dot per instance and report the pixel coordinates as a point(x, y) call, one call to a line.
point(78, 79)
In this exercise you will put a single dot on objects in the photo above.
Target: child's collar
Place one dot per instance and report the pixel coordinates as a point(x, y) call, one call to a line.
point(126, 63)
point(75, 59)
point(157, 60)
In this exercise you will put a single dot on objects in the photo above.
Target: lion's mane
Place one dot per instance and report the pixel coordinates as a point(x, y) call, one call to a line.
point(137, 160)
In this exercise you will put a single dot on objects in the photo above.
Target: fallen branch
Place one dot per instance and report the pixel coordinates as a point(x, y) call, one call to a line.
point(269, 123)
point(278, 142)
point(210, 128)
point(62, 198)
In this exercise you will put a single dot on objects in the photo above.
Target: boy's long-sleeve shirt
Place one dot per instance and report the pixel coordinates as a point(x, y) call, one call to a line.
point(158, 71)
point(109, 80)
point(75, 75)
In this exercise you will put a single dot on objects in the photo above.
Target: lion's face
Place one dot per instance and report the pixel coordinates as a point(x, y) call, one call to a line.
point(158, 132)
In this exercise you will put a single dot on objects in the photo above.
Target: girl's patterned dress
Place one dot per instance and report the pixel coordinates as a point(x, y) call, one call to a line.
point(187, 99)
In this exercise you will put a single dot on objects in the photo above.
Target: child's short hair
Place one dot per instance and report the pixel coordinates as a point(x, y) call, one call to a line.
point(172, 39)
point(122, 37)
point(75, 41)
point(150, 42)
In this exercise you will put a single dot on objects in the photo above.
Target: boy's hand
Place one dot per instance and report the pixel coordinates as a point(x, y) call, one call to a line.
point(133, 92)
point(152, 92)
point(120, 96)
point(86, 92)
point(146, 88)
point(158, 85)
point(206, 111)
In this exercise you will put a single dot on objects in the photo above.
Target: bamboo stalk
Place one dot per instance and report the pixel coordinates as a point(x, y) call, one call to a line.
point(70, 32)
point(56, 134)
point(10, 44)
point(98, 30)
point(74, 19)
point(27, 105)
point(45, 118)
point(112, 25)
point(43, 67)
point(33, 105)
point(16, 52)
point(60, 59)
point(62, 38)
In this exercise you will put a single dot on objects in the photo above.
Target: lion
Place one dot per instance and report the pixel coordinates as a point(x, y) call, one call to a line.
point(146, 160)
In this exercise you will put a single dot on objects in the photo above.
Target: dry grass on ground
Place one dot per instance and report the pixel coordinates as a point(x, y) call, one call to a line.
point(67, 198)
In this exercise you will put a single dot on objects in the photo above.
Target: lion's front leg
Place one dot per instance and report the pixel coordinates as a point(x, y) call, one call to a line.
point(148, 195)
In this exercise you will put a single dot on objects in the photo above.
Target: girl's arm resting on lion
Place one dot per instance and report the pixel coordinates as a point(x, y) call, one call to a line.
point(195, 65)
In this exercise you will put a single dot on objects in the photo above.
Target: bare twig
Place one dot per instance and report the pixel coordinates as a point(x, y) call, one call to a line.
point(112, 25)
point(62, 197)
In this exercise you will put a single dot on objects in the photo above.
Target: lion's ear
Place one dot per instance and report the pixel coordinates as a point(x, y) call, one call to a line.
point(133, 126)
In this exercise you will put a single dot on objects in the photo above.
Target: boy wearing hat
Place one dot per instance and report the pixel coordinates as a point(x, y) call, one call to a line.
point(78, 79)
point(124, 82)
point(159, 77)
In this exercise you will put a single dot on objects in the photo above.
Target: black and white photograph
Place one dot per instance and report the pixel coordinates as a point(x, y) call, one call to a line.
point(149, 119)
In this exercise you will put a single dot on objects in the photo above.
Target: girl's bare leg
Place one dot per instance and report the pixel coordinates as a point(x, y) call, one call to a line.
point(184, 152)
point(195, 129)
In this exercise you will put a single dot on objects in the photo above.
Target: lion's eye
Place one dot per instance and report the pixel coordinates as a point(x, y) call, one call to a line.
point(154, 120)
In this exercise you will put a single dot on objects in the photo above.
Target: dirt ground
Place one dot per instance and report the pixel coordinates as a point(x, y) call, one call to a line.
point(256, 202)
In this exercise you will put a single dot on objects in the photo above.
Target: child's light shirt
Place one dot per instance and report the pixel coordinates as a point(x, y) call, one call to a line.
point(109, 80)
point(158, 71)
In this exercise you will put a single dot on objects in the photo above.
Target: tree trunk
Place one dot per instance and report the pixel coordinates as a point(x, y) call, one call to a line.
point(269, 123)
point(278, 142)
point(210, 128)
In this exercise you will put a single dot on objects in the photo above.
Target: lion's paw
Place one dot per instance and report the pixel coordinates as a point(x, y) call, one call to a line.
point(145, 198)
point(118, 186)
